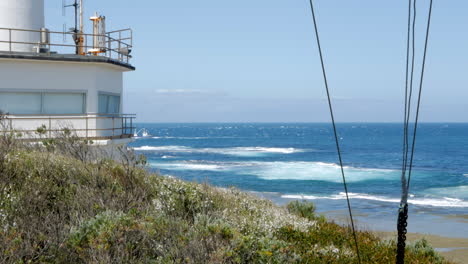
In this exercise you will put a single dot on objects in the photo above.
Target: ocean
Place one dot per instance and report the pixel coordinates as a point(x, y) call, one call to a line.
point(288, 161)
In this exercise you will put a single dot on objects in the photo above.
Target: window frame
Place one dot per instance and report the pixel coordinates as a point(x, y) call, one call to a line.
point(108, 95)
point(42, 93)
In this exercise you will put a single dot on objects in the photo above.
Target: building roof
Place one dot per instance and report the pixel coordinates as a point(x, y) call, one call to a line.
point(65, 58)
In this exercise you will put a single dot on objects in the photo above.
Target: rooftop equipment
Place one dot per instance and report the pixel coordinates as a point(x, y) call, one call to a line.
point(21, 14)
point(78, 37)
point(99, 35)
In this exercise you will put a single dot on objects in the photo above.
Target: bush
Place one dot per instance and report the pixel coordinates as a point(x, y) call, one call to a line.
point(303, 209)
point(60, 207)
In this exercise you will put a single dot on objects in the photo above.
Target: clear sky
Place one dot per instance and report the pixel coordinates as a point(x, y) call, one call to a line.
point(257, 61)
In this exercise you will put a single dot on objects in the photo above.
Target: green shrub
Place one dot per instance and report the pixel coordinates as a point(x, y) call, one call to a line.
point(302, 208)
point(59, 206)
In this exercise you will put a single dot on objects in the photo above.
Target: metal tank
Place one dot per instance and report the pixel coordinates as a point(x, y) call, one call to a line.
point(18, 15)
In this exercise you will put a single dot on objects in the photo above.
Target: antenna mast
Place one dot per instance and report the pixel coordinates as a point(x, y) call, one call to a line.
point(78, 31)
point(80, 38)
point(81, 16)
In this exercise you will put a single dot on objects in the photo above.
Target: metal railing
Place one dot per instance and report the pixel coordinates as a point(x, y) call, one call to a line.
point(118, 44)
point(88, 126)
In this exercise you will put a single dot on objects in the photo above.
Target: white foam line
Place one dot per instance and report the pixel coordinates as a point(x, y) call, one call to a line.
point(296, 170)
point(236, 151)
point(168, 137)
point(444, 202)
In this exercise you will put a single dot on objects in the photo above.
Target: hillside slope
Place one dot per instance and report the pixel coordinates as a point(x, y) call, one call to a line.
point(58, 207)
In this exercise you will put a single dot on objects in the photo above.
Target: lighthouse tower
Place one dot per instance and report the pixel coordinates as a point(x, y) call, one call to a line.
point(61, 81)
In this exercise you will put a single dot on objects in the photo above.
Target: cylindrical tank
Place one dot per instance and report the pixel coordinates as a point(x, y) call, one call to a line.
point(21, 14)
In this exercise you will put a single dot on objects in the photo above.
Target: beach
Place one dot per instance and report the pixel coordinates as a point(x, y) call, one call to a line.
point(454, 249)
point(445, 233)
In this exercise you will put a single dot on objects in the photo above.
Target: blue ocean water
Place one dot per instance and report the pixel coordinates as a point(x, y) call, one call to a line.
point(299, 161)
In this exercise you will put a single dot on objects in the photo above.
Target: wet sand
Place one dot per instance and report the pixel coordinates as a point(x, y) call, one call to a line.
point(453, 249)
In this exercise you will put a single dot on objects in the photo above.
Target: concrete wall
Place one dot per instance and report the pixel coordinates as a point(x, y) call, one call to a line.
point(51, 76)
point(33, 75)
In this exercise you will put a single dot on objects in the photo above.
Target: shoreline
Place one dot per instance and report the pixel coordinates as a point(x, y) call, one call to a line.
point(381, 217)
point(452, 248)
point(440, 230)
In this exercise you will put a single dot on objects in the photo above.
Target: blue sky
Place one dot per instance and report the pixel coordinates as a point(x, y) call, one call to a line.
point(256, 60)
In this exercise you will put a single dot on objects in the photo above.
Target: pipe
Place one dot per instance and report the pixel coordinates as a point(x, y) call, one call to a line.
point(81, 50)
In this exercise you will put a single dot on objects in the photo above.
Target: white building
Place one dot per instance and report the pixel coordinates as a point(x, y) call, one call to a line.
point(60, 80)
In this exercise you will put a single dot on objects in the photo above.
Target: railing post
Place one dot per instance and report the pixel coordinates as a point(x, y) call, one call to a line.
point(9, 33)
point(109, 45)
point(131, 125)
point(120, 48)
point(87, 127)
point(50, 127)
point(113, 126)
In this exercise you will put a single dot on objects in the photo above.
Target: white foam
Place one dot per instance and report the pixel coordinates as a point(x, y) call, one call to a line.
point(466, 174)
point(453, 192)
point(236, 151)
point(434, 202)
point(249, 151)
point(315, 171)
point(164, 148)
point(189, 166)
point(318, 171)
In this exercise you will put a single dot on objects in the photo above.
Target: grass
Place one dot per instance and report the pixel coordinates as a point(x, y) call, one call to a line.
point(57, 206)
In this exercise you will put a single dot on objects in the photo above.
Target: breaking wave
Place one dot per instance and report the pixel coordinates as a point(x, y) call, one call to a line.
point(315, 171)
point(434, 202)
point(456, 191)
point(318, 171)
point(235, 151)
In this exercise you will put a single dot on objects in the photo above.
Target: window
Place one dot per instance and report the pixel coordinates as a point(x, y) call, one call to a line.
point(63, 103)
point(109, 104)
point(42, 103)
point(20, 103)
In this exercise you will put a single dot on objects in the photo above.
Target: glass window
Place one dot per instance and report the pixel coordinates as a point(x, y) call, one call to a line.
point(103, 102)
point(20, 103)
point(42, 103)
point(63, 103)
point(114, 104)
point(109, 104)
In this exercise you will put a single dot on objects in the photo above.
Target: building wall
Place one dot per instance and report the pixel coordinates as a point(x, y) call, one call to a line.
point(91, 78)
point(18, 75)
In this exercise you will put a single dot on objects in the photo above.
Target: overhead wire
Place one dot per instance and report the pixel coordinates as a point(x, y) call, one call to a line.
point(330, 105)
point(403, 211)
point(402, 214)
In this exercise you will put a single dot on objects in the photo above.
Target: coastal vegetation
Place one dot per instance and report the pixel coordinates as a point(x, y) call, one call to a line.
point(64, 201)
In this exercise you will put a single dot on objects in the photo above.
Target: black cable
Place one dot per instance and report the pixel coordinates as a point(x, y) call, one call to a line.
point(420, 92)
point(403, 213)
point(410, 96)
point(405, 124)
point(334, 128)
